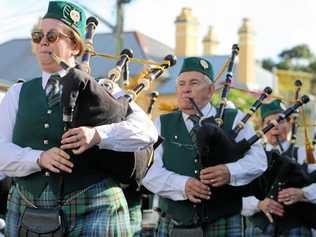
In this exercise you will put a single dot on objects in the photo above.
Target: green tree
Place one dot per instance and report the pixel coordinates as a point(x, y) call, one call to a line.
point(297, 58)
point(301, 51)
point(268, 64)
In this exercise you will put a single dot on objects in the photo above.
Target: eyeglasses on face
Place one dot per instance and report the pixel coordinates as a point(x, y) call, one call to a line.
point(52, 36)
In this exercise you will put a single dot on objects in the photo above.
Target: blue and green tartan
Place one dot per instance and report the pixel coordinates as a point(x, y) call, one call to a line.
point(135, 217)
point(100, 210)
point(224, 227)
point(253, 231)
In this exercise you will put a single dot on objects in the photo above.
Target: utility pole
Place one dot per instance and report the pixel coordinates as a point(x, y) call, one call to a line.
point(119, 27)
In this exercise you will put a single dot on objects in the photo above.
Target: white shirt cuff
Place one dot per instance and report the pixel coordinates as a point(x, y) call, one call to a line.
point(234, 170)
point(32, 158)
point(310, 192)
point(249, 206)
point(182, 183)
point(28, 164)
point(103, 132)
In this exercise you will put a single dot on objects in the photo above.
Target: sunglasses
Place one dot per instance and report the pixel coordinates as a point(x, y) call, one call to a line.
point(51, 36)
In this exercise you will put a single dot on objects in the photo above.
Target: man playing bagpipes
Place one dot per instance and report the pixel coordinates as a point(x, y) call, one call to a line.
point(58, 190)
point(272, 216)
point(176, 175)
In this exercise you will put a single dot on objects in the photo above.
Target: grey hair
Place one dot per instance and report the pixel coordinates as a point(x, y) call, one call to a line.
point(206, 78)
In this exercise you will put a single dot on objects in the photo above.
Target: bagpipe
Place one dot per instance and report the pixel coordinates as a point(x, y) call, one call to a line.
point(288, 175)
point(284, 172)
point(87, 102)
point(216, 145)
point(212, 140)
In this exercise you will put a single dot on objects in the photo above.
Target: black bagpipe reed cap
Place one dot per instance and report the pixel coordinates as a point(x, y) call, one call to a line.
point(235, 48)
point(305, 99)
point(128, 52)
point(172, 59)
point(298, 83)
point(92, 19)
point(154, 94)
point(268, 90)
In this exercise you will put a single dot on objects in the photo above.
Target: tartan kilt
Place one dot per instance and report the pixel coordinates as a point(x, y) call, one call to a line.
point(223, 227)
point(135, 217)
point(100, 210)
point(253, 231)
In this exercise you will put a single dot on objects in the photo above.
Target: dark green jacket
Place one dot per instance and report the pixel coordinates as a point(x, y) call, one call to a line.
point(41, 128)
point(179, 155)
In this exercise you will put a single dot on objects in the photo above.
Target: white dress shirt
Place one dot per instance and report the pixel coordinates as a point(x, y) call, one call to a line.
point(250, 204)
point(171, 185)
point(136, 133)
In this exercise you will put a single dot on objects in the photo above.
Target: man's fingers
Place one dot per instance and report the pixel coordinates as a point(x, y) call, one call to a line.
point(63, 154)
point(199, 187)
point(207, 170)
point(211, 180)
point(269, 216)
point(196, 190)
point(194, 199)
point(275, 209)
point(201, 194)
point(208, 176)
point(277, 212)
point(218, 183)
point(50, 167)
point(65, 162)
point(289, 202)
point(215, 181)
point(67, 134)
point(70, 146)
point(278, 208)
point(71, 139)
point(61, 167)
point(80, 150)
point(71, 132)
point(201, 191)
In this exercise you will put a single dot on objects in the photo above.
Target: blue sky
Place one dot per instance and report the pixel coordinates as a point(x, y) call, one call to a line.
point(278, 24)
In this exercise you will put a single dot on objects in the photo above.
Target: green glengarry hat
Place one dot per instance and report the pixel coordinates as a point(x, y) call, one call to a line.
point(199, 65)
point(69, 13)
point(275, 106)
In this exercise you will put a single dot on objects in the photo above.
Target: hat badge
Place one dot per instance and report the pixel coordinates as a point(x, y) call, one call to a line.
point(204, 64)
point(74, 15)
point(282, 105)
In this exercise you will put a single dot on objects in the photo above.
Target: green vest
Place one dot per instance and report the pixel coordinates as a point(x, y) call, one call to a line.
point(180, 156)
point(41, 128)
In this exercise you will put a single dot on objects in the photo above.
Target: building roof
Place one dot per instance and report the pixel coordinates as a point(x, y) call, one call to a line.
point(21, 63)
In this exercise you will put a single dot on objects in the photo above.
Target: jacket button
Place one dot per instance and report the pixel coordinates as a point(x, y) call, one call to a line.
point(49, 111)
point(46, 125)
point(45, 142)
